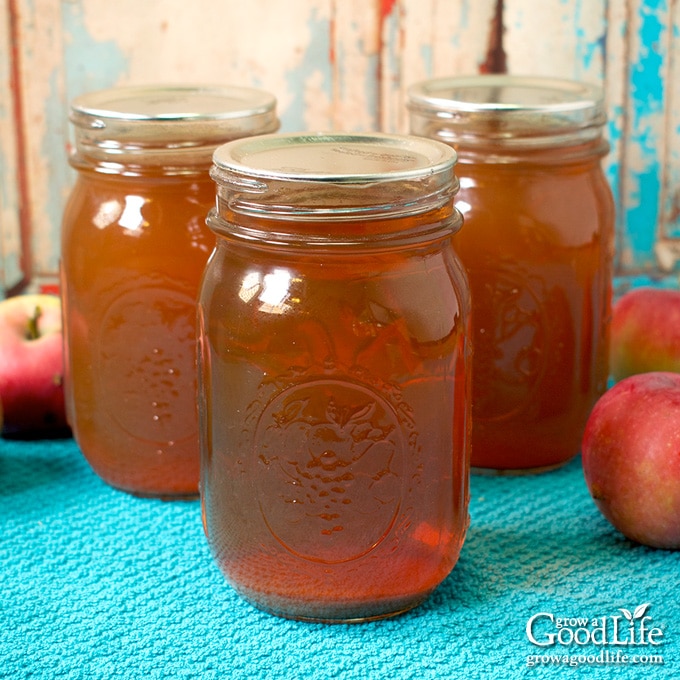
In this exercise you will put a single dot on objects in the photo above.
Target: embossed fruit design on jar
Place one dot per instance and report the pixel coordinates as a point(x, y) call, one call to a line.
point(134, 246)
point(538, 248)
point(334, 374)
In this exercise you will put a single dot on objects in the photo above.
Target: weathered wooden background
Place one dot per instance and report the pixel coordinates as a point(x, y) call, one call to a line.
point(335, 64)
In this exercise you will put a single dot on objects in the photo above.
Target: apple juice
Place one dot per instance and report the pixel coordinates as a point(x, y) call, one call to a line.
point(134, 246)
point(538, 250)
point(334, 375)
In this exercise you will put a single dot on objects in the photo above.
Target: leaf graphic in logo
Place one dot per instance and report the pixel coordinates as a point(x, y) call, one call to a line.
point(640, 610)
point(627, 614)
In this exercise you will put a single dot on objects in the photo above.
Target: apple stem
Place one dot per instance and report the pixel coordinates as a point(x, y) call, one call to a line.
point(33, 332)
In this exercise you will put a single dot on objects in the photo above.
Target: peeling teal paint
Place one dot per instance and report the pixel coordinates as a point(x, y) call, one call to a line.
point(11, 271)
point(463, 25)
point(589, 52)
point(645, 182)
point(314, 59)
point(372, 97)
point(646, 76)
point(391, 56)
point(10, 266)
point(642, 215)
point(390, 65)
point(646, 118)
point(91, 65)
point(427, 56)
point(612, 166)
point(54, 151)
point(623, 284)
point(585, 50)
point(7, 180)
point(465, 13)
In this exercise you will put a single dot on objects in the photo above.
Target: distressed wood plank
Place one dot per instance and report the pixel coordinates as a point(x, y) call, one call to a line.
point(428, 39)
point(344, 65)
point(670, 202)
point(646, 142)
point(82, 45)
point(42, 131)
point(355, 64)
point(281, 47)
point(615, 85)
point(10, 242)
point(564, 39)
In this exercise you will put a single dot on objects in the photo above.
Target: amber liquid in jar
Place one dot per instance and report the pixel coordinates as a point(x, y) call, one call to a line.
point(335, 421)
point(539, 263)
point(134, 247)
point(538, 249)
point(131, 326)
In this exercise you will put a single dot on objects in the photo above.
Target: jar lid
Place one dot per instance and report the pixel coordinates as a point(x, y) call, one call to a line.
point(172, 103)
point(506, 108)
point(161, 124)
point(334, 157)
point(334, 176)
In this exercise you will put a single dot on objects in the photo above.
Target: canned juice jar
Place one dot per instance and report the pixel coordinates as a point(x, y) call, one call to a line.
point(538, 248)
point(334, 374)
point(134, 246)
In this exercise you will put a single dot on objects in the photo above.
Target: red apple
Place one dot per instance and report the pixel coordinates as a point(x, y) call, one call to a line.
point(645, 332)
point(31, 366)
point(631, 458)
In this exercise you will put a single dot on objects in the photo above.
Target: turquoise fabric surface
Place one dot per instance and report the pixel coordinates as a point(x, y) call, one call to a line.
point(99, 584)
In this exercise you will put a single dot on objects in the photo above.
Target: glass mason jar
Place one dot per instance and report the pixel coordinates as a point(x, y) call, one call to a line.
point(134, 246)
point(538, 248)
point(334, 374)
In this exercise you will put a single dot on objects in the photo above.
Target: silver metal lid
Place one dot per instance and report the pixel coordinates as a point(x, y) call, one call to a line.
point(173, 103)
point(333, 177)
point(161, 124)
point(495, 93)
point(506, 108)
point(334, 157)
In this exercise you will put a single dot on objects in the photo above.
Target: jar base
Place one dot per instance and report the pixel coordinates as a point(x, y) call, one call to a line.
point(517, 472)
point(161, 496)
point(167, 497)
point(336, 614)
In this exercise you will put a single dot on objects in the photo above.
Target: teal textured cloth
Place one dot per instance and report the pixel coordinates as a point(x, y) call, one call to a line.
point(95, 583)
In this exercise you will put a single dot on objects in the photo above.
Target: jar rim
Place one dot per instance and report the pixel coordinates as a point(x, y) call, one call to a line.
point(491, 93)
point(177, 102)
point(333, 157)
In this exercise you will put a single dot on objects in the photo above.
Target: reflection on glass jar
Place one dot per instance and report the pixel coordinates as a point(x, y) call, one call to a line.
point(334, 374)
point(538, 248)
